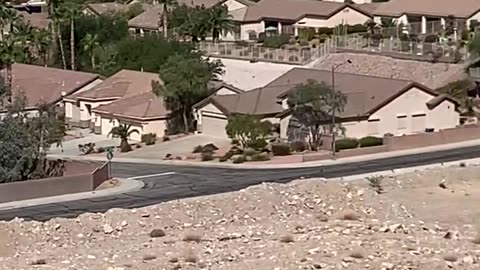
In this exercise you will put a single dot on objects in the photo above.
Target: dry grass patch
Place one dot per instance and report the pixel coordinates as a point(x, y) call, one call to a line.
point(450, 257)
point(288, 238)
point(349, 215)
point(192, 237)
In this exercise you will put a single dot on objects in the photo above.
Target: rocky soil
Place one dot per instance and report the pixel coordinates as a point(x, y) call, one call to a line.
point(433, 75)
point(423, 220)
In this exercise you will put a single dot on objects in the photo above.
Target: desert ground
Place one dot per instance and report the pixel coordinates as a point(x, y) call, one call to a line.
point(421, 220)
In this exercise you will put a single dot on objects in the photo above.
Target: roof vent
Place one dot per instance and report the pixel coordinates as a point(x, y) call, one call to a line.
point(63, 93)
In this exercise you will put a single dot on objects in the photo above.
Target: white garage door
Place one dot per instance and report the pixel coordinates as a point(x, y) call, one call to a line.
point(214, 126)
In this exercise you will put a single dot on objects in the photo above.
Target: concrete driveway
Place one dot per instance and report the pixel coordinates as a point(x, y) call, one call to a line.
point(181, 146)
point(70, 147)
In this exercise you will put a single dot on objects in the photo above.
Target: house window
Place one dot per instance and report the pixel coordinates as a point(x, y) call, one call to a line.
point(373, 126)
point(419, 122)
point(401, 121)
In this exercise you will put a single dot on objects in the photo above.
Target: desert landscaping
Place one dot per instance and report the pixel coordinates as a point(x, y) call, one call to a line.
point(420, 220)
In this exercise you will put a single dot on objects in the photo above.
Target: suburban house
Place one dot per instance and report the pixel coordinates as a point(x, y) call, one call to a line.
point(375, 106)
point(288, 16)
point(150, 19)
point(46, 85)
point(429, 15)
point(96, 9)
point(123, 84)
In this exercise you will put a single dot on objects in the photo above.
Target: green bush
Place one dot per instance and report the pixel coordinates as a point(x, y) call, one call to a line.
point(206, 156)
point(281, 149)
point(306, 33)
point(356, 28)
point(209, 147)
point(370, 141)
point(325, 30)
point(298, 146)
point(261, 157)
point(249, 152)
point(276, 41)
point(165, 139)
point(431, 38)
point(303, 42)
point(228, 155)
point(258, 144)
point(100, 149)
point(346, 144)
point(197, 149)
point(235, 142)
point(149, 138)
point(238, 159)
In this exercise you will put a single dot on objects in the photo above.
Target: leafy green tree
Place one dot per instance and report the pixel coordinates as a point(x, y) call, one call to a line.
point(123, 132)
point(70, 12)
point(7, 17)
point(185, 79)
point(167, 6)
point(313, 105)
point(247, 129)
point(42, 41)
point(190, 22)
point(9, 51)
point(23, 34)
point(220, 21)
point(90, 43)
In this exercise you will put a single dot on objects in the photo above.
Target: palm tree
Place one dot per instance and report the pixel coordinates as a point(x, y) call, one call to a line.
point(55, 15)
point(123, 132)
point(70, 12)
point(220, 21)
point(90, 43)
point(8, 52)
point(23, 34)
point(42, 41)
point(167, 5)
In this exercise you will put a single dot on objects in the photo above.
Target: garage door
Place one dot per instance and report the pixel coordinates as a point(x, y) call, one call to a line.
point(214, 126)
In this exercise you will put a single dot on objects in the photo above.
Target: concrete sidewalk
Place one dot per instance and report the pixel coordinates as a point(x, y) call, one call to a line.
point(126, 185)
point(253, 165)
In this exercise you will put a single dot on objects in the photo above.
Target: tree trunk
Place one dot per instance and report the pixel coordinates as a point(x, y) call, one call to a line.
point(60, 44)
point(165, 22)
point(9, 82)
point(72, 42)
point(185, 120)
point(53, 48)
point(92, 57)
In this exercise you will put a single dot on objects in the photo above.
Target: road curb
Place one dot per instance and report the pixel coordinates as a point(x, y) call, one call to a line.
point(126, 185)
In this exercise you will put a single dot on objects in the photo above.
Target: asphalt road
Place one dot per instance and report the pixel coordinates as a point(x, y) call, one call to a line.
point(170, 182)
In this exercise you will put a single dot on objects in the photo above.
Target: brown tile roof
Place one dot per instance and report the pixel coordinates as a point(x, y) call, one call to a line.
point(41, 84)
point(125, 83)
point(293, 10)
point(146, 106)
point(100, 8)
point(364, 93)
point(459, 8)
point(39, 20)
point(149, 19)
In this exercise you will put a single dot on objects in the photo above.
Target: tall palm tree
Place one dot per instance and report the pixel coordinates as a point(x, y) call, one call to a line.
point(9, 51)
point(71, 11)
point(220, 21)
point(55, 14)
point(123, 132)
point(167, 5)
point(90, 43)
point(23, 34)
point(42, 41)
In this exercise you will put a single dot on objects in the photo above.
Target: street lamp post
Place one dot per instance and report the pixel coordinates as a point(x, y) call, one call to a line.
point(334, 108)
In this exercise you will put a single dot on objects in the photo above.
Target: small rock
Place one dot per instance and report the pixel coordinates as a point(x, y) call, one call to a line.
point(145, 215)
point(91, 257)
point(124, 223)
point(107, 229)
point(155, 233)
point(360, 192)
point(468, 260)
point(313, 251)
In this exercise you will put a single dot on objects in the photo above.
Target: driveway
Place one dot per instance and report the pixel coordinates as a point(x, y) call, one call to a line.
point(181, 146)
point(70, 147)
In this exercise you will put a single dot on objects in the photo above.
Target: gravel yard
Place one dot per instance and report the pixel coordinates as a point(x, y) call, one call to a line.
point(422, 220)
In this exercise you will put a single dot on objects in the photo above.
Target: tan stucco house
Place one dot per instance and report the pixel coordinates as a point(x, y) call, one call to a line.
point(375, 106)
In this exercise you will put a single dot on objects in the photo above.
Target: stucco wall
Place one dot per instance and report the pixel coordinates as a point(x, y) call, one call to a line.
point(344, 16)
point(84, 113)
point(257, 27)
point(158, 127)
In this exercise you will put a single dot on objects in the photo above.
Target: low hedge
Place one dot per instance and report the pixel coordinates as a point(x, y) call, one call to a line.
point(346, 144)
point(370, 141)
point(298, 146)
point(281, 149)
point(149, 138)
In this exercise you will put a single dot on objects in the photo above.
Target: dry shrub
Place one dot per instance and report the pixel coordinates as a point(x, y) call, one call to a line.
point(157, 233)
point(149, 257)
point(450, 257)
point(173, 260)
point(39, 262)
point(322, 217)
point(357, 253)
point(190, 257)
point(349, 215)
point(288, 238)
point(192, 237)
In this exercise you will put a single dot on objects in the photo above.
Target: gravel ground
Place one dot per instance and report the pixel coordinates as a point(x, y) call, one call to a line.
point(433, 75)
point(423, 220)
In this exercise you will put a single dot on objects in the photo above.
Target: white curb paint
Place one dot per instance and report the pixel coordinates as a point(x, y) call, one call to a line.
point(150, 175)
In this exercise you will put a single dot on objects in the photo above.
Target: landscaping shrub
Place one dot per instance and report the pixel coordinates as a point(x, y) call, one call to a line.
point(431, 38)
point(281, 149)
point(303, 42)
point(298, 146)
point(149, 138)
point(325, 30)
point(207, 156)
point(210, 147)
point(370, 141)
point(166, 138)
point(346, 144)
point(197, 149)
point(238, 159)
point(356, 28)
point(100, 149)
point(249, 152)
point(261, 157)
point(228, 155)
point(258, 144)
point(86, 148)
point(235, 142)
point(261, 37)
point(306, 33)
point(276, 41)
